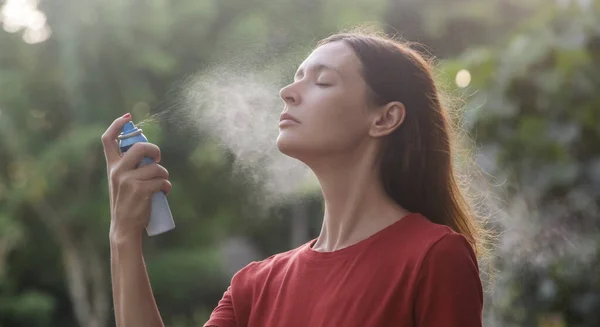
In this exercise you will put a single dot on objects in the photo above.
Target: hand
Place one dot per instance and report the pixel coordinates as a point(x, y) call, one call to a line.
point(131, 188)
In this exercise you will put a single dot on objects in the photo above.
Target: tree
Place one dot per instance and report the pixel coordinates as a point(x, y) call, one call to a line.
point(534, 113)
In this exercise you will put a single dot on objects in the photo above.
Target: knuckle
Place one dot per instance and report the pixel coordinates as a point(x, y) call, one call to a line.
point(136, 147)
point(166, 186)
point(163, 172)
point(104, 138)
point(148, 149)
point(153, 150)
point(113, 175)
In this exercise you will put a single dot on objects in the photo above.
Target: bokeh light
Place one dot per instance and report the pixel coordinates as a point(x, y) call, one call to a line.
point(16, 15)
point(36, 36)
point(463, 78)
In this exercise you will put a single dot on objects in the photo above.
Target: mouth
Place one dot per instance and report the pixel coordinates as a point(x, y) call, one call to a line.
point(287, 122)
point(287, 119)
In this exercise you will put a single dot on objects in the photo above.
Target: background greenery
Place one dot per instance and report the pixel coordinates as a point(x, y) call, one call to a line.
point(532, 107)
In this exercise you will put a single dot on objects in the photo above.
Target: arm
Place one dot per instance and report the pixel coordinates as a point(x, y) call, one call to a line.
point(449, 291)
point(130, 191)
point(132, 296)
point(223, 315)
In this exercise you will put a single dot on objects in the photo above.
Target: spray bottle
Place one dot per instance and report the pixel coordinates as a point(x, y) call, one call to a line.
point(161, 219)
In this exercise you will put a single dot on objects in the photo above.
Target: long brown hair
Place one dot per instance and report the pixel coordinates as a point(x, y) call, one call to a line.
point(416, 160)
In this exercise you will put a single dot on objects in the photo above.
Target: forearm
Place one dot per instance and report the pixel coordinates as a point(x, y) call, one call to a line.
point(133, 300)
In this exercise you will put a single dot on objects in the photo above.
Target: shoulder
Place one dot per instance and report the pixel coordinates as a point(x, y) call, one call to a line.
point(235, 306)
point(255, 273)
point(426, 230)
point(440, 240)
point(430, 233)
point(271, 262)
point(448, 271)
point(451, 250)
point(429, 244)
point(427, 238)
point(447, 256)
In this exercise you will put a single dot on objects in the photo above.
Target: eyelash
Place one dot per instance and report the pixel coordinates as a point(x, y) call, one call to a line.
point(317, 84)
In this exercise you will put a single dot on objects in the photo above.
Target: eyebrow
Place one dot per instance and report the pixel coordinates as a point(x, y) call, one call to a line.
point(318, 68)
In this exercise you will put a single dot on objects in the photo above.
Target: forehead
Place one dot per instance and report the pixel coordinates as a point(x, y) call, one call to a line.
point(337, 55)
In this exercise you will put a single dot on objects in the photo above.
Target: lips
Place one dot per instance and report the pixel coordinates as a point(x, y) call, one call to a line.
point(286, 116)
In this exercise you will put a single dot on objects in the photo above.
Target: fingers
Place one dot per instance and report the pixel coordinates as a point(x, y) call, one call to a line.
point(144, 180)
point(149, 172)
point(149, 187)
point(109, 139)
point(137, 153)
point(143, 189)
point(157, 185)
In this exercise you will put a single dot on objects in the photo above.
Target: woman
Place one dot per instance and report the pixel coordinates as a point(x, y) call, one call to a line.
point(398, 241)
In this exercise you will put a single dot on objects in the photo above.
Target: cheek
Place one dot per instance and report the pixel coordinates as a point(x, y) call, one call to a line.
point(334, 125)
point(342, 121)
point(339, 125)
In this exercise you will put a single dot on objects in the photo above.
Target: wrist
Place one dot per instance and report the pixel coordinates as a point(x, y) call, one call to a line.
point(119, 239)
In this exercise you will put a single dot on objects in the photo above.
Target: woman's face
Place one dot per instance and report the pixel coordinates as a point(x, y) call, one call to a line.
point(328, 100)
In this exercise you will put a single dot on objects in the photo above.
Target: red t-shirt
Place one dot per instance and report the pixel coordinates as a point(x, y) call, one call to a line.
point(412, 273)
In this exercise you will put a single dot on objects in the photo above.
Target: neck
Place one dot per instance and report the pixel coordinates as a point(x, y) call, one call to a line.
point(356, 204)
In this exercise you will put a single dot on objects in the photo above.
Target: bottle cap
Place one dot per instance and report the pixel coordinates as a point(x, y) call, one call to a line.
point(129, 130)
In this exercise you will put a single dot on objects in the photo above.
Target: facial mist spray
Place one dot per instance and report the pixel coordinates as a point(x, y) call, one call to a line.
point(161, 219)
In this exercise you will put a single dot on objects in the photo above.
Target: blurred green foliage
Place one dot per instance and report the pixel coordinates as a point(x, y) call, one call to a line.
point(532, 107)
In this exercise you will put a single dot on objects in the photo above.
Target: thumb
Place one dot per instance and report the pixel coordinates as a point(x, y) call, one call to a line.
point(109, 139)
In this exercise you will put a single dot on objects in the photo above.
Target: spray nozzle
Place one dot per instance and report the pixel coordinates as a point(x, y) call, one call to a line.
point(129, 130)
point(129, 127)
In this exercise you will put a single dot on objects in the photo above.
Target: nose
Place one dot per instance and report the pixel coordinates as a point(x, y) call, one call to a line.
point(289, 95)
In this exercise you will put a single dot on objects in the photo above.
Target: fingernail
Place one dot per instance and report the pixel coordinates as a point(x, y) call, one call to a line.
point(127, 115)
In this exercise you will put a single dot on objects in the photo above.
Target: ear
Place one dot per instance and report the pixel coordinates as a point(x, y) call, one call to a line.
point(387, 119)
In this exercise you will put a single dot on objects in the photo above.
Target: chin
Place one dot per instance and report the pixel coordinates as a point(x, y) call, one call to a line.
point(293, 145)
point(303, 149)
point(288, 145)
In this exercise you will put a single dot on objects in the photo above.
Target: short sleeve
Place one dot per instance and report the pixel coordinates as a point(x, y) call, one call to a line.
point(223, 315)
point(449, 291)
